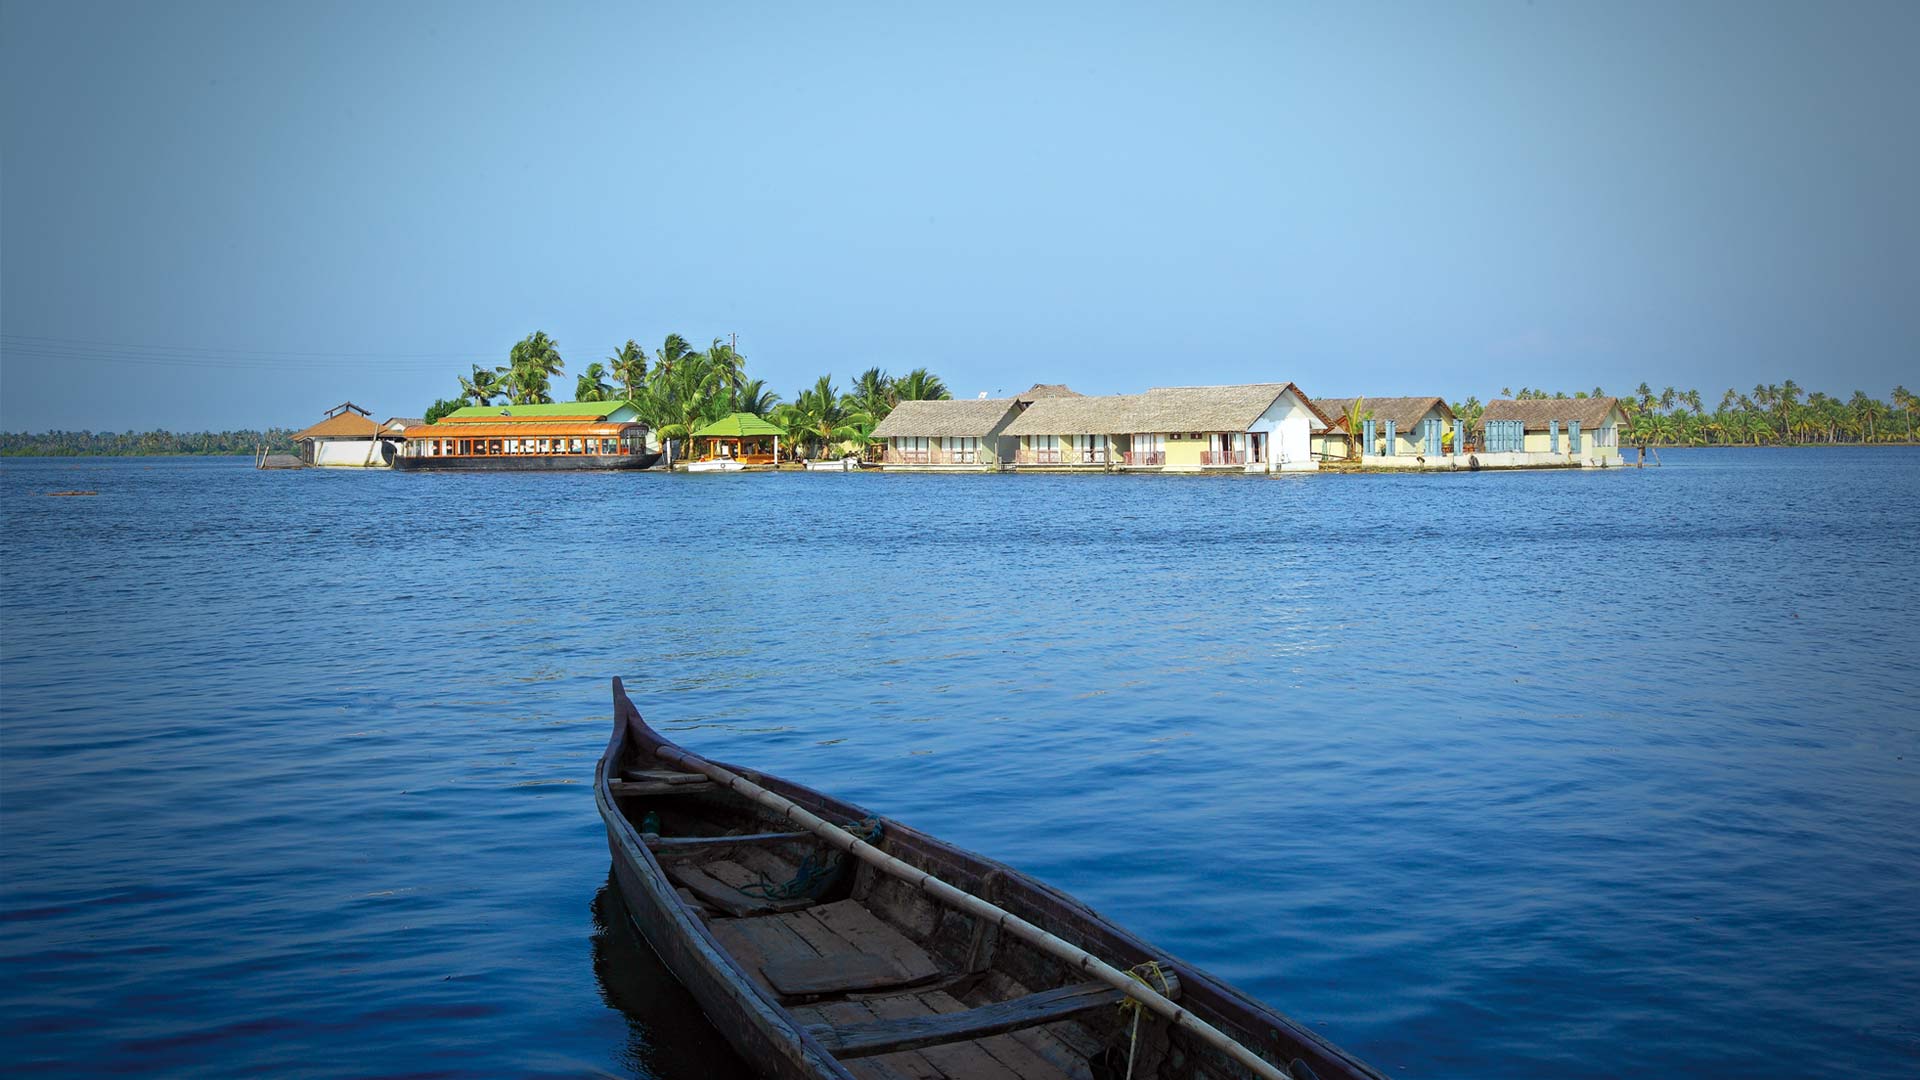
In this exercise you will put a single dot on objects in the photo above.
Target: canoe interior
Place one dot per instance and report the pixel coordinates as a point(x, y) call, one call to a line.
point(860, 965)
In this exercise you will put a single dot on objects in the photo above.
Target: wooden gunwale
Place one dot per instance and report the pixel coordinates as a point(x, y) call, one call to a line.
point(1243, 1019)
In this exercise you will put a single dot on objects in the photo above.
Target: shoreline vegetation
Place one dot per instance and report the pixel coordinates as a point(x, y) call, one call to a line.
point(677, 389)
point(160, 443)
point(1769, 415)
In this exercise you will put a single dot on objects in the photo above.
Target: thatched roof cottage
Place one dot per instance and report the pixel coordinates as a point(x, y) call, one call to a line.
point(967, 434)
point(1255, 427)
point(1400, 427)
point(1579, 427)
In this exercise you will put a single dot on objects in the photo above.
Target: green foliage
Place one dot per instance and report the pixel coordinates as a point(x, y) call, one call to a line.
point(920, 385)
point(592, 384)
point(142, 443)
point(532, 365)
point(442, 407)
point(1768, 414)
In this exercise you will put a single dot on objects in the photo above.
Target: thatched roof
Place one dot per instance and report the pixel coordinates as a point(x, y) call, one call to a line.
point(958, 418)
point(1538, 413)
point(1162, 409)
point(1047, 390)
point(1405, 412)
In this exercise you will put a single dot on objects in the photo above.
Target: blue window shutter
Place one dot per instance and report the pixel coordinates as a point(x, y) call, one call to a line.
point(1573, 435)
point(1459, 436)
point(1391, 449)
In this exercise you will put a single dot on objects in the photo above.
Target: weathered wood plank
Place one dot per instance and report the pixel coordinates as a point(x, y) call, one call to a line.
point(959, 1023)
point(623, 789)
point(960, 1061)
point(1064, 1044)
point(836, 974)
point(1011, 1052)
point(664, 776)
point(670, 845)
point(866, 932)
point(740, 879)
point(905, 1065)
point(722, 896)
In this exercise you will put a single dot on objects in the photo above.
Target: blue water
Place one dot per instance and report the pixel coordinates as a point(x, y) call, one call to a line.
point(1520, 775)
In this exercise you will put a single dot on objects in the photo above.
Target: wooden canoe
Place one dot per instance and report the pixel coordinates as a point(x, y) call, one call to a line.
point(814, 963)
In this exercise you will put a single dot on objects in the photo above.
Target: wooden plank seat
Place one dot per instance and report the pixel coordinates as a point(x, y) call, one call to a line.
point(635, 789)
point(664, 776)
point(862, 1039)
point(717, 884)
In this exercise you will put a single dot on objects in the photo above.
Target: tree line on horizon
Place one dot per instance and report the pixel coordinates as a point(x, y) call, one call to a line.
point(678, 389)
point(1769, 414)
point(143, 443)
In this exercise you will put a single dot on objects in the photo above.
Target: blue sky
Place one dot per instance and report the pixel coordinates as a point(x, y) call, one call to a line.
point(229, 215)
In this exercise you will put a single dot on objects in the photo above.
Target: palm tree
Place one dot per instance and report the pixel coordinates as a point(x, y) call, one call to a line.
point(816, 413)
point(629, 367)
point(1357, 416)
point(672, 351)
point(871, 393)
point(755, 398)
point(592, 384)
point(1903, 400)
point(531, 366)
point(731, 368)
point(482, 388)
point(1786, 400)
point(920, 385)
point(1866, 413)
point(681, 396)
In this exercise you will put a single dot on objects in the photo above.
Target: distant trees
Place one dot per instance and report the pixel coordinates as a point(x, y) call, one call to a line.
point(142, 443)
point(1768, 413)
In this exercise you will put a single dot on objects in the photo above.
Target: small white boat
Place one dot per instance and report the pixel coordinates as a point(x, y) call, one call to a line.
point(715, 465)
point(844, 464)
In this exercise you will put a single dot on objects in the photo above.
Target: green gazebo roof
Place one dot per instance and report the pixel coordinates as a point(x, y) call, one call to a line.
point(738, 425)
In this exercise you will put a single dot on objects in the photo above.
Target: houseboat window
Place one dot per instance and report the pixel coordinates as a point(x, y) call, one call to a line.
point(493, 446)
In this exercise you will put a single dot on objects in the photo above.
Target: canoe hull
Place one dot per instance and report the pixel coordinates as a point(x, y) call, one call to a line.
point(768, 1037)
point(529, 463)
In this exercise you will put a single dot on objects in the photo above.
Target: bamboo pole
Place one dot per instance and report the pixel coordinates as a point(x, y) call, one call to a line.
point(1006, 920)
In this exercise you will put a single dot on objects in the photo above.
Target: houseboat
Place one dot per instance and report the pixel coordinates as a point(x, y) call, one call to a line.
point(560, 436)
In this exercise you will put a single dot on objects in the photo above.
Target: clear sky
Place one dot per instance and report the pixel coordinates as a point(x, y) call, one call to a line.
point(231, 215)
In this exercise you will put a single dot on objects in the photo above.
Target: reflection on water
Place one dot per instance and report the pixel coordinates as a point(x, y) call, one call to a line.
point(667, 1035)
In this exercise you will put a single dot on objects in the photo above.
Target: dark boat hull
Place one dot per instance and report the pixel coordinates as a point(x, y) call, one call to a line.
point(529, 463)
point(770, 1039)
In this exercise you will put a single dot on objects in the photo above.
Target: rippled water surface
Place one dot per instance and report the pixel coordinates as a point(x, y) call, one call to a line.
point(1545, 774)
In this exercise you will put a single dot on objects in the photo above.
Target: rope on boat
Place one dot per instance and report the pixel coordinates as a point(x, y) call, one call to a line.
point(1079, 959)
point(814, 874)
point(1129, 1005)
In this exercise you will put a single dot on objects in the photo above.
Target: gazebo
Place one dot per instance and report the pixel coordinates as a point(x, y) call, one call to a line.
point(741, 437)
